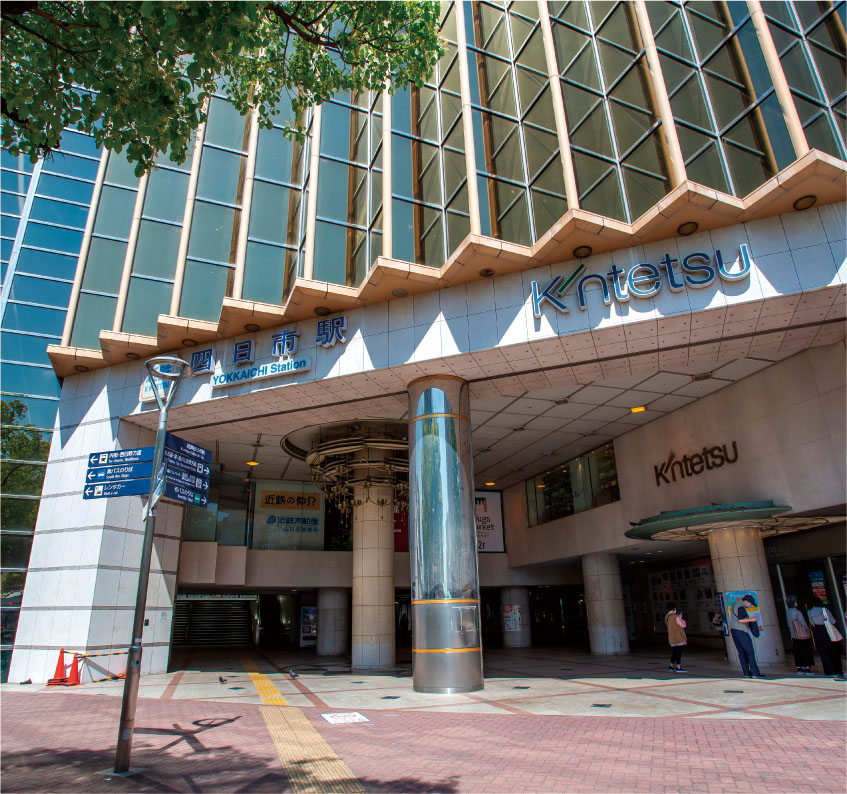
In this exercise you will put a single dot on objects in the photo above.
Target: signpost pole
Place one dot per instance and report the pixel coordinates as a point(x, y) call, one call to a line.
point(171, 369)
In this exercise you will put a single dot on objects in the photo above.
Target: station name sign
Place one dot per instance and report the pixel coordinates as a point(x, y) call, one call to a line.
point(644, 280)
point(696, 463)
point(272, 370)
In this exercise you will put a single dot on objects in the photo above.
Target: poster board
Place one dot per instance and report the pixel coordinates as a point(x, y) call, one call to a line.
point(288, 515)
point(691, 586)
point(731, 596)
point(488, 514)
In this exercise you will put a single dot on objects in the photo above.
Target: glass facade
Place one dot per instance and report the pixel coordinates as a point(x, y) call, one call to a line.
point(518, 83)
point(589, 481)
point(44, 211)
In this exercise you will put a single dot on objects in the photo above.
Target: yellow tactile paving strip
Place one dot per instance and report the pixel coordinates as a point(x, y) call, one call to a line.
point(270, 695)
point(309, 762)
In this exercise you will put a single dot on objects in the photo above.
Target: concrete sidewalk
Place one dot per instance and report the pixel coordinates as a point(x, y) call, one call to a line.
point(548, 720)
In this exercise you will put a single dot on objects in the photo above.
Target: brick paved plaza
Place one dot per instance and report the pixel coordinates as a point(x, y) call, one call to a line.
point(710, 731)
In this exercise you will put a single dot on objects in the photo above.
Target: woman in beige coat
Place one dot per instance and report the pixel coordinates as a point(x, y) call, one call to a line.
point(676, 638)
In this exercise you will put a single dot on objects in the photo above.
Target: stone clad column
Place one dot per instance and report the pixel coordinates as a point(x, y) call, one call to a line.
point(446, 640)
point(373, 577)
point(739, 561)
point(333, 620)
point(607, 629)
point(517, 629)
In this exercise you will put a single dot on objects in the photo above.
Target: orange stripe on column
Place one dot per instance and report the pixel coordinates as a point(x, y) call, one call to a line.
point(444, 650)
point(447, 601)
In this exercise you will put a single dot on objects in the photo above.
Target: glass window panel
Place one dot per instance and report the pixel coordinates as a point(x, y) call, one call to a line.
point(630, 125)
point(614, 61)
point(264, 273)
point(456, 138)
point(798, 73)
point(458, 228)
point(491, 83)
point(605, 198)
point(781, 37)
point(451, 110)
point(15, 183)
point(552, 179)
point(166, 192)
point(58, 187)
point(820, 135)
point(39, 413)
point(114, 212)
point(546, 210)
point(19, 514)
point(79, 144)
point(779, 10)
point(642, 191)
point(94, 313)
point(514, 218)
point(809, 13)
point(376, 245)
point(21, 439)
point(13, 203)
point(33, 318)
point(707, 33)
point(748, 169)
point(19, 163)
point(203, 290)
point(540, 146)
point(15, 549)
point(277, 157)
point(145, 301)
point(417, 230)
point(675, 72)
point(157, 249)
point(330, 253)
point(776, 132)
point(578, 104)
point(8, 224)
point(164, 158)
point(489, 27)
point(104, 265)
point(573, 12)
point(648, 156)
point(455, 171)
point(69, 165)
point(583, 69)
point(376, 195)
point(451, 81)
point(569, 44)
point(635, 87)
point(53, 237)
point(831, 70)
point(39, 290)
point(532, 54)
point(343, 132)
point(31, 349)
point(673, 38)
point(221, 176)
point(225, 127)
point(707, 169)
point(425, 114)
point(22, 379)
point(120, 171)
point(401, 110)
point(274, 213)
point(728, 102)
point(831, 33)
point(530, 85)
point(342, 192)
point(56, 212)
point(214, 232)
point(593, 133)
point(689, 104)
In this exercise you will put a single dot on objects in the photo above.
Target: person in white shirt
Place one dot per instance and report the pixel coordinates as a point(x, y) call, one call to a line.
point(829, 651)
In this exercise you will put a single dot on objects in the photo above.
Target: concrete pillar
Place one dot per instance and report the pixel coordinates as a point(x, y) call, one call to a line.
point(446, 636)
point(333, 621)
point(738, 558)
point(514, 614)
point(607, 630)
point(373, 577)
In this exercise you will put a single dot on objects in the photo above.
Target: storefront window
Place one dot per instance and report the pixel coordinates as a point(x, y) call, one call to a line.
point(591, 480)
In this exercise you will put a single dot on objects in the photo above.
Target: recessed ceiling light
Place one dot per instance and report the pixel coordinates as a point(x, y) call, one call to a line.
point(189, 342)
point(804, 202)
point(399, 292)
point(638, 409)
point(252, 462)
point(322, 311)
point(563, 401)
point(689, 227)
point(540, 486)
point(486, 272)
point(251, 327)
point(701, 376)
point(582, 251)
point(491, 483)
point(133, 356)
point(518, 429)
point(80, 368)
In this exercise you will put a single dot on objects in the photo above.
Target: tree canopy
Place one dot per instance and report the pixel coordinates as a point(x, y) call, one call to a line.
point(136, 75)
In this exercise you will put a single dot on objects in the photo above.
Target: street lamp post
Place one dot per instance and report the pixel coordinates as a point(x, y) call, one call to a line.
point(170, 370)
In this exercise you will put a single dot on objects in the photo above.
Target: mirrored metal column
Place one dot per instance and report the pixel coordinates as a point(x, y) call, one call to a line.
point(446, 638)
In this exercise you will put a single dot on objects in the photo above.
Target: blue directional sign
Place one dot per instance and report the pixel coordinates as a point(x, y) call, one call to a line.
point(131, 471)
point(120, 456)
point(109, 489)
point(179, 477)
point(187, 449)
point(179, 461)
point(182, 494)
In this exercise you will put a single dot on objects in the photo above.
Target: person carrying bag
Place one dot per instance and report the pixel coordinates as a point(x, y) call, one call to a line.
point(824, 631)
point(801, 639)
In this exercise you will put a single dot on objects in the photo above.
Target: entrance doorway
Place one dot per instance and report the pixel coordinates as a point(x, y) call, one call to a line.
point(559, 616)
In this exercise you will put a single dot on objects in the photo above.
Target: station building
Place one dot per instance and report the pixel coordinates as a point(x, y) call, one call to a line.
point(517, 357)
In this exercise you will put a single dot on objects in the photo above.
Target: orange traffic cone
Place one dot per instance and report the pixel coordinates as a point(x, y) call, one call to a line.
point(73, 680)
point(59, 676)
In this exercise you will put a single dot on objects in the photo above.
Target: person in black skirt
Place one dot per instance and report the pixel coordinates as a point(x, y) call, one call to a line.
point(801, 638)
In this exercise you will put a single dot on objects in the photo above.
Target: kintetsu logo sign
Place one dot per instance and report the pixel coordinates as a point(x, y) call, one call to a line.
point(696, 463)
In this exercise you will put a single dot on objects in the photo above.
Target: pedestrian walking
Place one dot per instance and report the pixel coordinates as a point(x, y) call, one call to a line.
point(801, 638)
point(739, 622)
point(829, 651)
point(676, 638)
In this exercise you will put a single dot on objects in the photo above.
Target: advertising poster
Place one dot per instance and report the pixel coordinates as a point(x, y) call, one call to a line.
point(512, 617)
point(288, 515)
point(691, 586)
point(488, 510)
point(401, 529)
point(817, 582)
point(753, 610)
point(308, 626)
